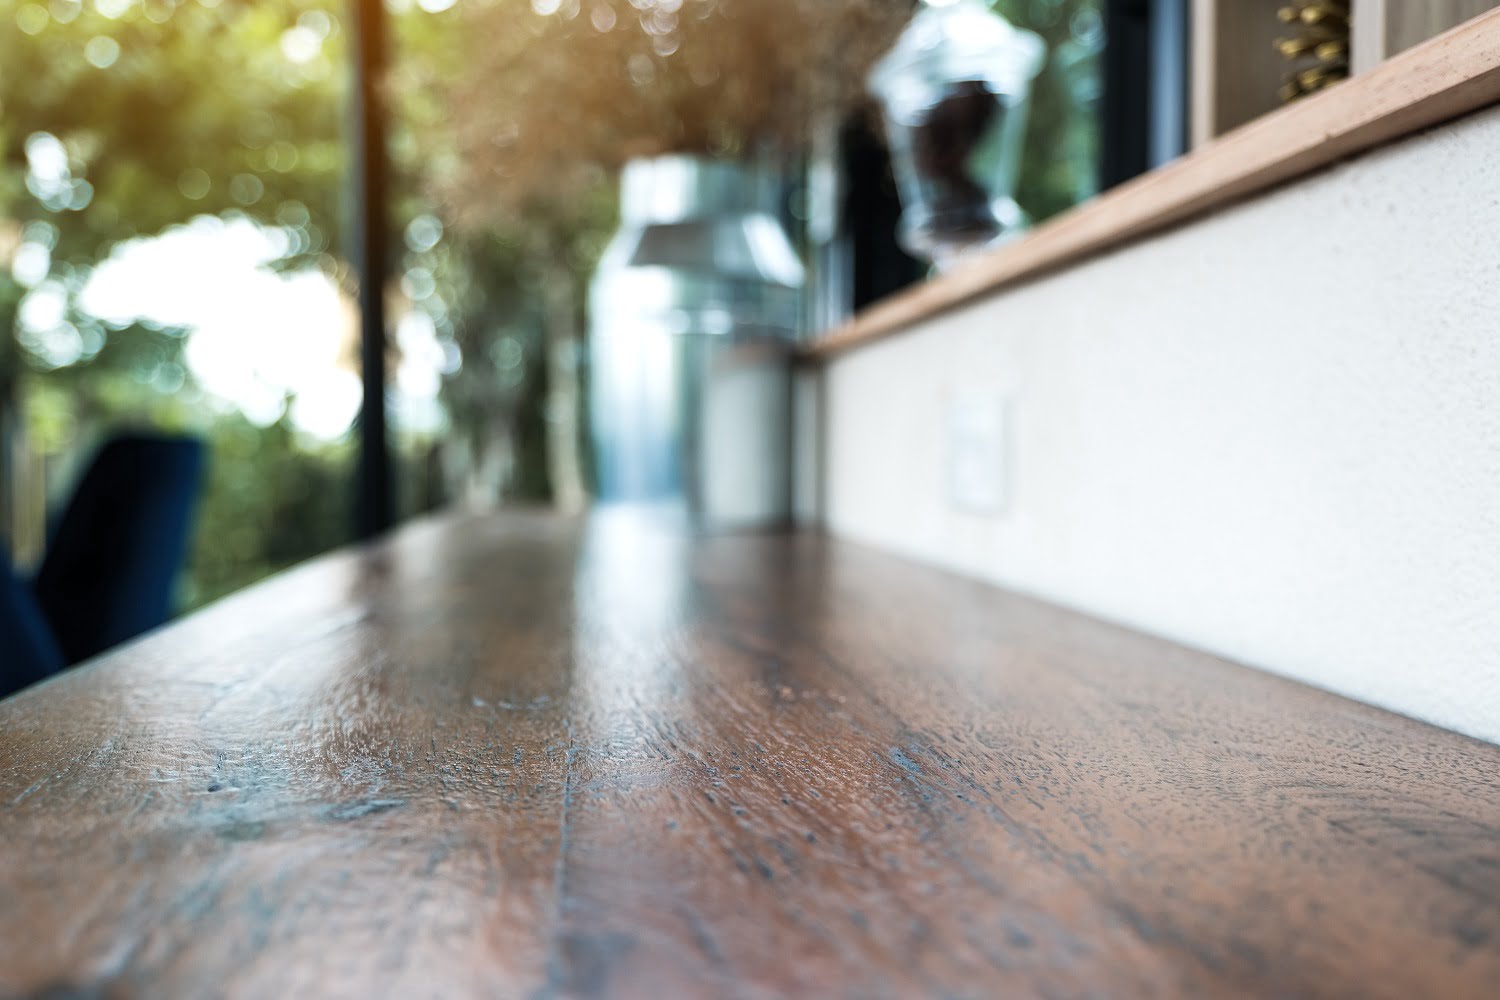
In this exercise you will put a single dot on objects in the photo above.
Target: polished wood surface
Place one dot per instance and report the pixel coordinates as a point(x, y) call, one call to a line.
point(525, 756)
point(1451, 75)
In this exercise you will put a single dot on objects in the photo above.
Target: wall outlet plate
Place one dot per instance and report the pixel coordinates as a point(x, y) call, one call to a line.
point(978, 463)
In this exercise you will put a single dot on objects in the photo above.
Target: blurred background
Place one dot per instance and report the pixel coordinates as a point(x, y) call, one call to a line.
point(179, 232)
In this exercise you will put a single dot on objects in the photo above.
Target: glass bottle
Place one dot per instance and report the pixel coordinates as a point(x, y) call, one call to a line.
point(954, 92)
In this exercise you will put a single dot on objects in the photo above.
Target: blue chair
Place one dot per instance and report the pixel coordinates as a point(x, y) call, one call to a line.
point(28, 651)
point(111, 567)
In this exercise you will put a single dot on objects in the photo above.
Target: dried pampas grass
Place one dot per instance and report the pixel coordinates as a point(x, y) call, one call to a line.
point(552, 96)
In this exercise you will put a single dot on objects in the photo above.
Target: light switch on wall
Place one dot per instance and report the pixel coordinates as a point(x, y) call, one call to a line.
point(977, 461)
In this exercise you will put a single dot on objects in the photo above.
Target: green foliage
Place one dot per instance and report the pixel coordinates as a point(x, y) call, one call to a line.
point(1059, 166)
point(272, 501)
point(171, 109)
point(272, 498)
point(168, 110)
point(136, 379)
point(505, 255)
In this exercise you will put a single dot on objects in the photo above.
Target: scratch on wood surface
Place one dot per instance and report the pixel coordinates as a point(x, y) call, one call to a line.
point(29, 792)
point(366, 807)
point(557, 961)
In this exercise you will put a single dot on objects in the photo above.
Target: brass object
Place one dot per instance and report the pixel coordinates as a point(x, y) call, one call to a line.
point(1325, 16)
point(1316, 79)
point(1318, 49)
point(1291, 48)
point(1332, 51)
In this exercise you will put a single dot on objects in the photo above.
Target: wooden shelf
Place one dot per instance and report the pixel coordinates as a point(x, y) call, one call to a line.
point(1453, 74)
point(526, 755)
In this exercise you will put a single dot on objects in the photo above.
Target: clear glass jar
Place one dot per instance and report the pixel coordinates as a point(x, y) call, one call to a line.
point(954, 92)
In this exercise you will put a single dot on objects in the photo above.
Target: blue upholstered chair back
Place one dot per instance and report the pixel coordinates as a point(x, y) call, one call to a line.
point(28, 652)
point(112, 565)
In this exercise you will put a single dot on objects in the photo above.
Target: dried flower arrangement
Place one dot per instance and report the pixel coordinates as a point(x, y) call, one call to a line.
point(557, 94)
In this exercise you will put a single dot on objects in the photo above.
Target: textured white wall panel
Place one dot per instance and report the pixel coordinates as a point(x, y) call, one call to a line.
point(1273, 434)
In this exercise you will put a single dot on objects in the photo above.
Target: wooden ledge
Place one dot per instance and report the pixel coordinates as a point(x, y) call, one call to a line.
point(1448, 76)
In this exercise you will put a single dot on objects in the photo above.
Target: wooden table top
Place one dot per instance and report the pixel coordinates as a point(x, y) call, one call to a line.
point(519, 755)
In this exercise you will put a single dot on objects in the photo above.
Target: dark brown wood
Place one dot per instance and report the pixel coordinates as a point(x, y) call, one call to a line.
point(525, 756)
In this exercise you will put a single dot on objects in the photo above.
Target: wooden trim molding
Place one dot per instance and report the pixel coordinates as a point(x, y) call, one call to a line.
point(1451, 75)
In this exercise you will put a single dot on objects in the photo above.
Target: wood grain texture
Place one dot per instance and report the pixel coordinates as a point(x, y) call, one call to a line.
point(1448, 76)
point(525, 756)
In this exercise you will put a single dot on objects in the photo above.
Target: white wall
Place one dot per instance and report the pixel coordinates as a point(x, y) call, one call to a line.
point(1273, 434)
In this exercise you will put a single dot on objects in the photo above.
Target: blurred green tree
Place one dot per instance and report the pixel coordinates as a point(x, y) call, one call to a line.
point(168, 110)
point(122, 118)
point(157, 111)
point(1059, 167)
